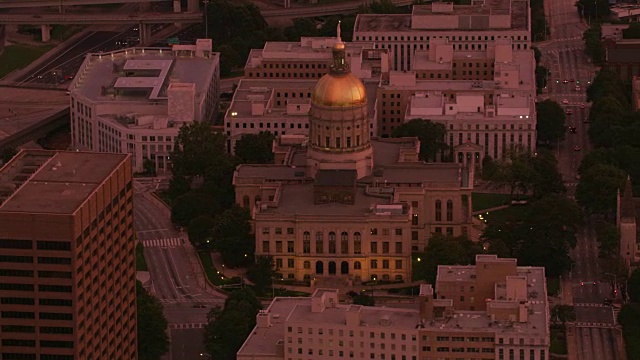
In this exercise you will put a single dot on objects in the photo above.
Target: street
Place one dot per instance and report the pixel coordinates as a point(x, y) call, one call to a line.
point(596, 335)
point(176, 276)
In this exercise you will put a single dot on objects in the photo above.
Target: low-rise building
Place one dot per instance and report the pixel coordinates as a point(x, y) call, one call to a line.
point(135, 100)
point(510, 320)
point(484, 98)
point(466, 27)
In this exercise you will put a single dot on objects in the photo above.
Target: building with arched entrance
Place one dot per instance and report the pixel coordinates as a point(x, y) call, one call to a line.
point(339, 203)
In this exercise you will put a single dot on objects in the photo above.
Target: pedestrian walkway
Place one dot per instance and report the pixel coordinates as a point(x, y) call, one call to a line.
point(163, 243)
point(187, 326)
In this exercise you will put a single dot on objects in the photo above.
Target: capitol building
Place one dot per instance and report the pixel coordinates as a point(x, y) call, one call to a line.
point(341, 204)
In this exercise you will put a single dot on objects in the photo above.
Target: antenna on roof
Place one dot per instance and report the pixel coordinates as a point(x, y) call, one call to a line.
point(338, 32)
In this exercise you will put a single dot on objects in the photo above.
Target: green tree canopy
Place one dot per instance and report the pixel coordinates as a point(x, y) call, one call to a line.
point(430, 134)
point(261, 273)
point(632, 32)
point(255, 148)
point(634, 286)
point(445, 250)
point(597, 189)
point(593, 43)
point(153, 341)
point(226, 330)
point(196, 149)
point(199, 231)
point(192, 205)
point(539, 234)
point(608, 239)
point(548, 179)
point(550, 121)
point(232, 236)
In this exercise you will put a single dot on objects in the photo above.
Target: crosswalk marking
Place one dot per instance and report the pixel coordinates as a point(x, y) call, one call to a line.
point(174, 301)
point(169, 242)
point(590, 305)
point(187, 326)
point(597, 325)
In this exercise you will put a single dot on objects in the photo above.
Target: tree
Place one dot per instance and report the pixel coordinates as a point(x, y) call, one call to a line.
point(597, 189)
point(430, 134)
point(608, 239)
point(197, 147)
point(6, 154)
point(364, 300)
point(516, 172)
point(550, 121)
point(255, 148)
point(153, 341)
point(262, 273)
point(149, 167)
point(178, 185)
point(600, 156)
point(301, 27)
point(563, 314)
point(593, 44)
point(446, 250)
point(548, 179)
point(542, 74)
point(593, 9)
point(191, 205)
point(633, 286)
point(632, 32)
point(539, 234)
point(226, 330)
point(232, 236)
point(199, 231)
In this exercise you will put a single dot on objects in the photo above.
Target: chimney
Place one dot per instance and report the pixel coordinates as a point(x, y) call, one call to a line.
point(263, 319)
point(426, 302)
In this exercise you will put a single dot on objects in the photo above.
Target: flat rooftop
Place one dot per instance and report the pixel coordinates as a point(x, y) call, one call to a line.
point(151, 70)
point(21, 108)
point(263, 341)
point(518, 9)
point(60, 181)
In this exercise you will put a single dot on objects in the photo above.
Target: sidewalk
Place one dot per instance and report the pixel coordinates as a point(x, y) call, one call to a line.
point(572, 344)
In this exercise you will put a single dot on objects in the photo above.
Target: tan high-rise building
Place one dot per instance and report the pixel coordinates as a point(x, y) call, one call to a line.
point(67, 257)
point(510, 320)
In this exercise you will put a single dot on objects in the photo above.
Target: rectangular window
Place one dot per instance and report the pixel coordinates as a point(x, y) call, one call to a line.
point(398, 247)
point(374, 247)
point(398, 264)
point(385, 247)
point(278, 246)
point(265, 246)
point(290, 247)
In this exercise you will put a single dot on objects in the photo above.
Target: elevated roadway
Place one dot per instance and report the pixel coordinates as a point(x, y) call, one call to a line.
point(323, 10)
point(100, 19)
point(10, 4)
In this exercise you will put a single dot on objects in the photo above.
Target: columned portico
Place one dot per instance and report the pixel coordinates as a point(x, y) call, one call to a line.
point(469, 154)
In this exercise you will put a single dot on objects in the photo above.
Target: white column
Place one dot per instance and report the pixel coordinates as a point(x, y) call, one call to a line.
point(46, 32)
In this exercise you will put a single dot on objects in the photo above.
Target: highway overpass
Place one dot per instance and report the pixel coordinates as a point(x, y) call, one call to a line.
point(9, 4)
point(322, 10)
point(100, 19)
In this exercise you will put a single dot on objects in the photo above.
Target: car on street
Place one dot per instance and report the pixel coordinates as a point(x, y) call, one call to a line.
point(578, 148)
point(565, 81)
point(608, 302)
point(571, 80)
point(572, 129)
point(568, 112)
point(578, 88)
point(582, 106)
point(565, 101)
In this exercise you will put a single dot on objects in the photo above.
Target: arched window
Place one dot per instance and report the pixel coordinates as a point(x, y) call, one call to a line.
point(307, 265)
point(344, 242)
point(332, 243)
point(258, 199)
point(246, 202)
point(306, 242)
point(438, 210)
point(319, 243)
point(449, 210)
point(357, 243)
point(357, 265)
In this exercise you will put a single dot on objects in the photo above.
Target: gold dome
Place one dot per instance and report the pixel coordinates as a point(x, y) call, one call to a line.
point(339, 90)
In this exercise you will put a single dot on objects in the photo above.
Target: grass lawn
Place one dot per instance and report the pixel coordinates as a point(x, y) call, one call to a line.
point(63, 32)
point(213, 274)
point(483, 201)
point(141, 264)
point(553, 286)
point(558, 341)
point(504, 214)
point(19, 56)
